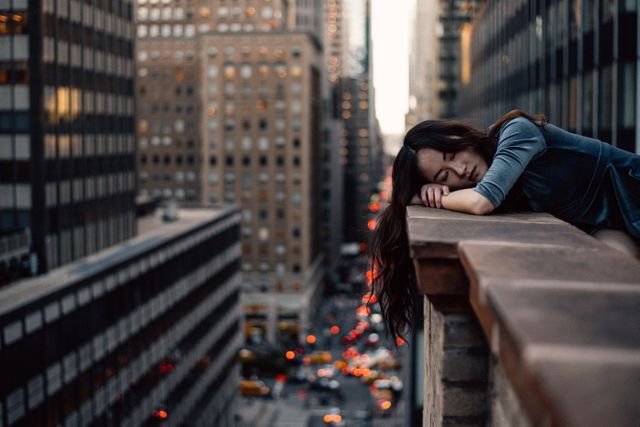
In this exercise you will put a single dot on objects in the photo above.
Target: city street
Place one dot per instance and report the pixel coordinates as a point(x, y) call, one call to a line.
point(303, 403)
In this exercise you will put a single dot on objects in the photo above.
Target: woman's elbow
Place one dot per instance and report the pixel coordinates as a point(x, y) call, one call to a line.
point(483, 206)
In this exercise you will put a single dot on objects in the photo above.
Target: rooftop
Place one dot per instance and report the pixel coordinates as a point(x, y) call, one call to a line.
point(153, 233)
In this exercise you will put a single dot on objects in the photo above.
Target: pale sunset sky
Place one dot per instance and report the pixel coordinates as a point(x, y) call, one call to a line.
point(390, 35)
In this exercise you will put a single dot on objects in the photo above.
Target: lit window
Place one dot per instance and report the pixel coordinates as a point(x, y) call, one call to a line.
point(189, 30)
point(212, 124)
point(142, 31)
point(228, 145)
point(280, 123)
point(245, 71)
point(166, 30)
point(296, 106)
point(178, 13)
point(263, 69)
point(246, 142)
point(223, 28)
point(263, 143)
point(279, 141)
point(263, 233)
point(155, 14)
point(235, 27)
point(267, 12)
point(143, 13)
point(263, 178)
point(223, 11)
point(213, 178)
point(280, 70)
point(166, 13)
point(177, 30)
point(154, 30)
point(296, 70)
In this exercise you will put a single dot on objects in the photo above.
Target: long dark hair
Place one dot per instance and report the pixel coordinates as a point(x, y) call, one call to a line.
point(393, 278)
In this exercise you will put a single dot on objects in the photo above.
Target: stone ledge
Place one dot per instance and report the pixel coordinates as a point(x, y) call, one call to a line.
point(547, 296)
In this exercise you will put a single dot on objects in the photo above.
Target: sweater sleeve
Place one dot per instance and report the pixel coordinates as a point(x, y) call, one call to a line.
point(519, 142)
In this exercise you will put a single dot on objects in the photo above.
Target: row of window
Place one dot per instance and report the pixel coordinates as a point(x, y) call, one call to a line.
point(212, 51)
point(279, 123)
point(70, 102)
point(169, 13)
point(75, 243)
point(86, 145)
point(100, 186)
point(78, 12)
point(86, 58)
point(168, 193)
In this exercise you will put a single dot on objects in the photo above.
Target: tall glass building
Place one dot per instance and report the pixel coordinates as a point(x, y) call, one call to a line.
point(67, 154)
point(575, 61)
point(140, 334)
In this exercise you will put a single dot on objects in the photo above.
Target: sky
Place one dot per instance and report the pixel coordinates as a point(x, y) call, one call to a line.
point(390, 38)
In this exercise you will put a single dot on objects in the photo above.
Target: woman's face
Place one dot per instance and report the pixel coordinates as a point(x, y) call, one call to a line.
point(459, 170)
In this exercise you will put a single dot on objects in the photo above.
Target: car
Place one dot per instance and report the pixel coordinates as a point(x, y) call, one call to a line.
point(320, 357)
point(254, 388)
point(372, 340)
point(324, 383)
point(333, 417)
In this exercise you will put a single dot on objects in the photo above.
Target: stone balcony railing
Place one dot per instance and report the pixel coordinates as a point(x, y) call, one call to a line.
point(528, 322)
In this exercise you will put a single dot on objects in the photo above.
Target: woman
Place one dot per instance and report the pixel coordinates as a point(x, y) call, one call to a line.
point(521, 162)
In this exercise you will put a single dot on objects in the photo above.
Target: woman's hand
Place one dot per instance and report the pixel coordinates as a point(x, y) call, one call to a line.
point(431, 194)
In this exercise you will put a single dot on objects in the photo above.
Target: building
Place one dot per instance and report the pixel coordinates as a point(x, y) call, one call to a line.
point(455, 18)
point(576, 62)
point(230, 110)
point(423, 63)
point(67, 152)
point(336, 41)
point(145, 330)
point(361, 148)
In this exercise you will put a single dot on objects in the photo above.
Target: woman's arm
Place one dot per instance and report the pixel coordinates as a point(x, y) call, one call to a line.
point(468, 201)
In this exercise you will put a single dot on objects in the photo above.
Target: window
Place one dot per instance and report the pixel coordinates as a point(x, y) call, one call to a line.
point(245, 71)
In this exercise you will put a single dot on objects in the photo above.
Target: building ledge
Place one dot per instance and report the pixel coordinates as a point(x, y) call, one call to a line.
point(558, 311)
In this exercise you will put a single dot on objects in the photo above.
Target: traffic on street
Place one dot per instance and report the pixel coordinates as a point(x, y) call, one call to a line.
point(346, 374)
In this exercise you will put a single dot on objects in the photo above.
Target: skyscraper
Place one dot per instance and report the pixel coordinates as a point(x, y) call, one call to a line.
point(229, 111)
point(574, 61)
point(67, 154)
point(423, 63)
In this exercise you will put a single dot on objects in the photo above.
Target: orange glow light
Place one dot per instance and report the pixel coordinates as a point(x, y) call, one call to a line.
point(385, 405)
point(161, 414)
point(290, 355)
point(335, 329)
point(400, 341)
point(374, 207)
point(311, 339)
point(372, 224)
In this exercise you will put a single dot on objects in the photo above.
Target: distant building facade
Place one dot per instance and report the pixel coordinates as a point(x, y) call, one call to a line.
point(67, 150)
point(230, 110)
point(423, 63)
point(133, 335)
point(576, 62)
point(455, 18)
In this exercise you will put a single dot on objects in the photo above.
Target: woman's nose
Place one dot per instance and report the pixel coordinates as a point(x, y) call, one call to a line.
point(459, 169)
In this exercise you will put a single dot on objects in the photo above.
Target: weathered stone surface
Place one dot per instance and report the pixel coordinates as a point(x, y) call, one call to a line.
point(464, 364)
point(441, 277)
point(559, 309)
point(464, 402)
point(569, 317)
point(487, 261)
point(591, 393)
